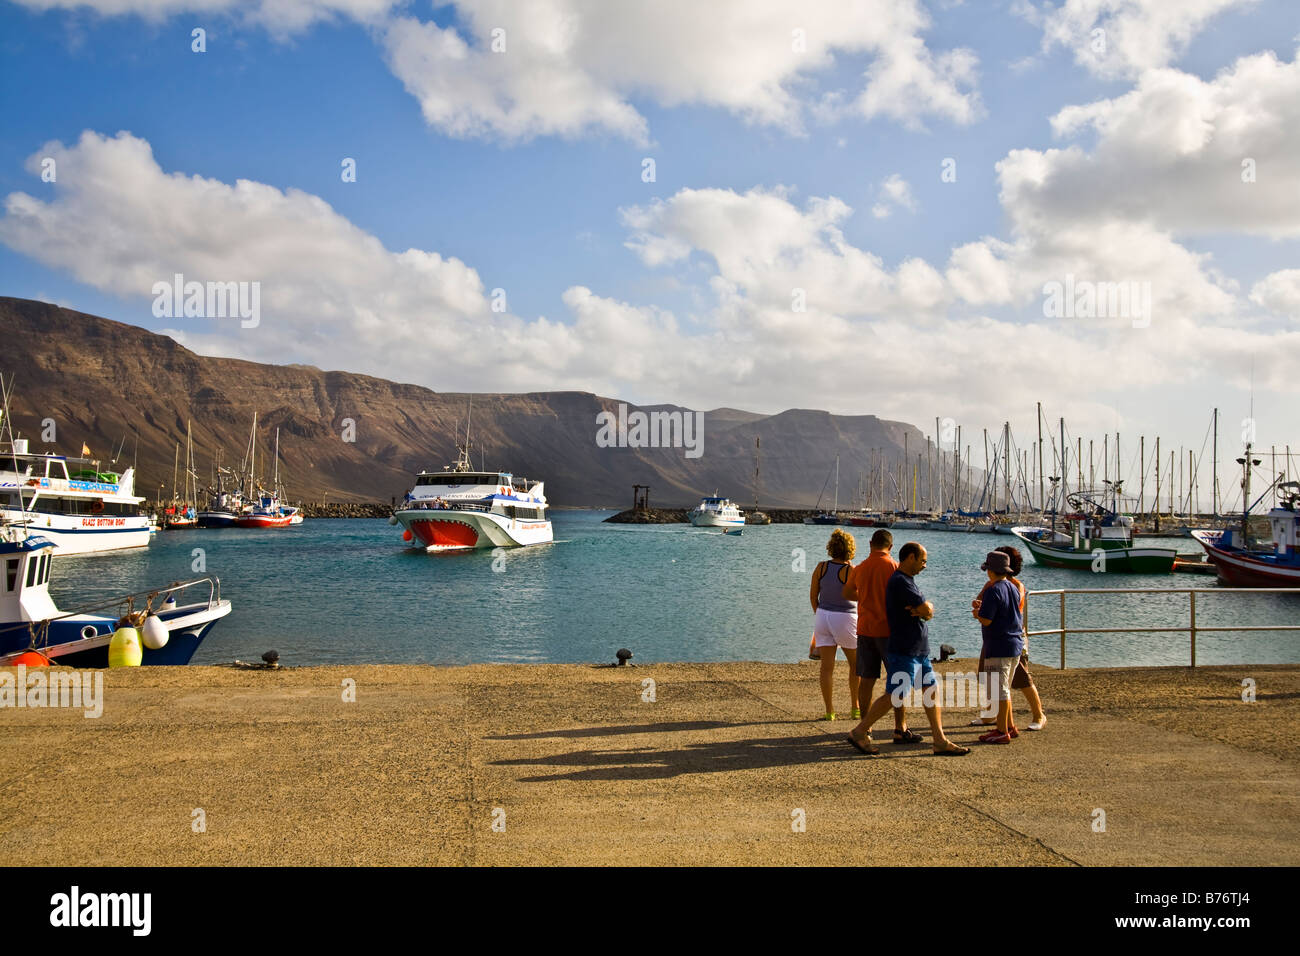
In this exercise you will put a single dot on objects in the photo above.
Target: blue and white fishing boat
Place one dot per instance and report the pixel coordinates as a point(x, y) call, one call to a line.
point(30, 620)
point(1276, 565)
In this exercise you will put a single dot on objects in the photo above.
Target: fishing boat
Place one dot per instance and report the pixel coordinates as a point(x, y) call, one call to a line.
point(30, 620)
point(715, 512)
point(268, 510)
point(180, 514)
point(1274, 566)
point(460, 508)
point(1098, 539)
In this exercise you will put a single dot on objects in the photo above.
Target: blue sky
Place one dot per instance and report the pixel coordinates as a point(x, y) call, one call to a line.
point(544, 206)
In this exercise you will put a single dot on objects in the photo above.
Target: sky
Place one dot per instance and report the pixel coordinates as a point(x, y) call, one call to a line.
point(913, 210)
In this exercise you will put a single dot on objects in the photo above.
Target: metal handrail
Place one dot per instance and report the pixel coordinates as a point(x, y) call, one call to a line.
point(214, 598)
point(1192, 628)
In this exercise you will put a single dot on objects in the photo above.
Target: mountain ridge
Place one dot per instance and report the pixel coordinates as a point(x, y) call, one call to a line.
point(100, 380)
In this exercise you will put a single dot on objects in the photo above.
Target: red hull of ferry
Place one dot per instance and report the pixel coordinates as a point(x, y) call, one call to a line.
point(434, 533)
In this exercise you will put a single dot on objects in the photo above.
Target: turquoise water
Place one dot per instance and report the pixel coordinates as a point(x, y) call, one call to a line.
point(346, 591)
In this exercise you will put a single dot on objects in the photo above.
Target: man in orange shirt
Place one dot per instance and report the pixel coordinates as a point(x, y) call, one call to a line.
point(866, 585)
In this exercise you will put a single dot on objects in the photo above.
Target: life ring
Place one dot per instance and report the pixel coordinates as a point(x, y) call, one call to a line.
point(97, 506)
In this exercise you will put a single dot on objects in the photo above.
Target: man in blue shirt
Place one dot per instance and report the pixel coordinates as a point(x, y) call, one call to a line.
point(908, 655)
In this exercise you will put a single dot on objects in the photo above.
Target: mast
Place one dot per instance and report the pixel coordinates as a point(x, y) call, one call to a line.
point(1245, 495)
point(275, 482)
point(1042, 504)
point(1214, 464)
point(175, 459)
point(1142, 474)
point(252, 459)
point(1065, 467)
point(1157, 501)
point(837, 485)
point(1006, 463)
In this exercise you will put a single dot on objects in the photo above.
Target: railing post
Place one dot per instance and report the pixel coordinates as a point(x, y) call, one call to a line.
point(1192, 593)
point(1062, 629)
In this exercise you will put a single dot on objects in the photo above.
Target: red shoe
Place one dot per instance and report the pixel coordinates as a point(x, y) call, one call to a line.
point(995, 738)
point(985, 738)
point(1013, 733)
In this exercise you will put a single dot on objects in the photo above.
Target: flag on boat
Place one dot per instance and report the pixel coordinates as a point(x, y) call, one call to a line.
point(85, 450)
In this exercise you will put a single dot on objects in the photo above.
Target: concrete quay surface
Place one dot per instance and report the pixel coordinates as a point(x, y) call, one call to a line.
point(566, 764)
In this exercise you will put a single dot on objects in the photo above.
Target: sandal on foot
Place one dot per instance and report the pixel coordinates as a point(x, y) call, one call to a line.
point(907, 737)
point(953, 751)
point(857, 713)
point(870, 749)
point(830, 715)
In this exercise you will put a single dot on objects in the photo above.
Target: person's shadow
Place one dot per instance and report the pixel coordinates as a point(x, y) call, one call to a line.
point(656, 763)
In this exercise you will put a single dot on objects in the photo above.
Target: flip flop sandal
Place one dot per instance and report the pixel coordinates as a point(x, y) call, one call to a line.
point(871, 750)
point(907, 737)
point(956, 751)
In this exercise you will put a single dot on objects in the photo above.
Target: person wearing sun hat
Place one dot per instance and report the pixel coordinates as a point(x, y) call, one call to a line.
point(998, 611)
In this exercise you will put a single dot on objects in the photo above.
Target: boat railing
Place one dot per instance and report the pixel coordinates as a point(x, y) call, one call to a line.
point(1191, 628)
point(128, 600)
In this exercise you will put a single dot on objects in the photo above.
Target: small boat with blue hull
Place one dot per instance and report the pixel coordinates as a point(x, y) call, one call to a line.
point(1276, 565)
point(30, 620)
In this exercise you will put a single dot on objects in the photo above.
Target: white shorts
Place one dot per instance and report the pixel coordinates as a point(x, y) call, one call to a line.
point(836, 627)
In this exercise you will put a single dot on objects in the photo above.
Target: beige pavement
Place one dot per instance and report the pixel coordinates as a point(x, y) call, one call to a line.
point(721, 768)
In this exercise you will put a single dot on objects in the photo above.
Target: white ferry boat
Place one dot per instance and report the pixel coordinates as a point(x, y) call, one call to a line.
point(70, 502)
point(462, 508)
point(716, 512)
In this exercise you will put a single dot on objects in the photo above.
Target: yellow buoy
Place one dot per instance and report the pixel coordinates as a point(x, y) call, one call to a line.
point(124, 649)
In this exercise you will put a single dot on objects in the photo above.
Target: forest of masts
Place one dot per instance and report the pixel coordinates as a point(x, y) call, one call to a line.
point(1136, 476)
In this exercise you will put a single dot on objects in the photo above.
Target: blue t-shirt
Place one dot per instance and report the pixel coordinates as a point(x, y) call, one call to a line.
point(908, 635)
point(1000, 605)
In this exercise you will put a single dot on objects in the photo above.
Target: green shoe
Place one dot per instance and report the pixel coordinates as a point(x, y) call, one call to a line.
point(829, 716)
point(857, 714)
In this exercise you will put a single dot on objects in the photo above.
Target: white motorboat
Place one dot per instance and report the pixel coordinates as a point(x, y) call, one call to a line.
point(77, 507)
point(716, 512)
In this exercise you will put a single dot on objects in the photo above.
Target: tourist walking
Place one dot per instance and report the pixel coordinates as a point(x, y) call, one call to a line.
point(998, 611)
point(866, 585)
point(835, 620)
point(907, 655)
point(1021, 679)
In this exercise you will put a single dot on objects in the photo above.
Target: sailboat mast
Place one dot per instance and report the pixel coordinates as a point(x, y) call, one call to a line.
point(1214, 475)
point(837, 484)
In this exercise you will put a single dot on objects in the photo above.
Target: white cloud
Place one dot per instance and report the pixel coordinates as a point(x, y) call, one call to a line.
point(894, 191)
point(574, 66)
point(1279, 292)
point(1174, 150)
point(1122, 38)
point(514, 71)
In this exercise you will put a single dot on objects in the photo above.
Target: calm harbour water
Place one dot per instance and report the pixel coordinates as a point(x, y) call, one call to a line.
point(346, 591)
